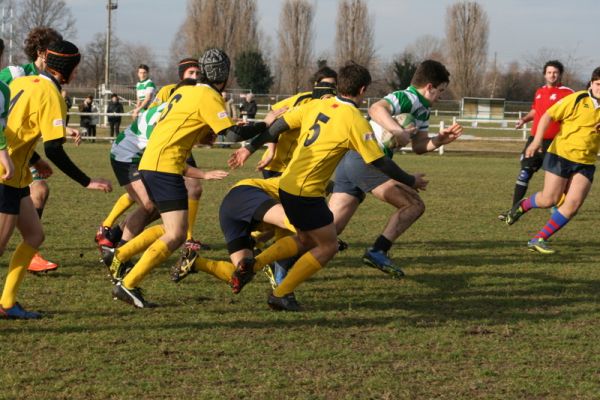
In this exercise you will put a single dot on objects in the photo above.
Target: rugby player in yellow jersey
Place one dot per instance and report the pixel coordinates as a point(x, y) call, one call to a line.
point(107, 237)
point(36, 109)
point(192, 115)
point(35, 46)
point(568, 163)
point(250, 204)
point(329, 128)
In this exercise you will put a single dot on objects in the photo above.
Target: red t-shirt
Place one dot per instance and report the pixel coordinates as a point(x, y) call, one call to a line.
point(544, 98)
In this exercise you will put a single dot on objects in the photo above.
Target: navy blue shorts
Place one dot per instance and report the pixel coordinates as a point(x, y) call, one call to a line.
point(564, 168)
point(306, 213)
point(270, 174)
point(167, 191)
point(125, 172)
point(535, 163)
point(355, 177)
point(10, 199)
point(241, 210)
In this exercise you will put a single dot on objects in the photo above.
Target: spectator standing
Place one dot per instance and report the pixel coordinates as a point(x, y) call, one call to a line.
point(114, 121)
point(248, 108)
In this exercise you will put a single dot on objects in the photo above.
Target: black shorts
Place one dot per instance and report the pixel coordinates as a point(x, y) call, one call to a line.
point(167, 191)
point(565, 169)
point(534, 163)
point(10, 199)
point(355, 177)
point(241, 210)
point(125, 172)
point(306, 213)
point(270, 174)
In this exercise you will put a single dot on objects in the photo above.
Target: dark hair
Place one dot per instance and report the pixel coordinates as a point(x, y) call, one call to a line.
point(322, 73)
point(144, 67)
point(595, 75)
point(38, 40)
point(556, 64)
point(351, 78)
point(430, 71)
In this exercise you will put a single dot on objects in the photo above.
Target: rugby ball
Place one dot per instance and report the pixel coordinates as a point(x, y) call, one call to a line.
point(384, 137)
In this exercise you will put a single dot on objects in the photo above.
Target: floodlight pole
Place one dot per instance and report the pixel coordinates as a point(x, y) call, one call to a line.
point(110, 5)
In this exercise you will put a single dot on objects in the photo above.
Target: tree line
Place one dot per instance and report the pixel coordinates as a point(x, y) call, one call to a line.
point(285, 67)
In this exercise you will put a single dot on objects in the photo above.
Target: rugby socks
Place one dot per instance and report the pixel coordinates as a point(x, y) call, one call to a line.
point(382, 244)
point(139, 243)
point(122, 204)
point(156, 254)
point(220, 269)
point(529, 203)
point(283, 248)
point(556, 221)
point(304, 268)
point(192, 213)
point(17, 268)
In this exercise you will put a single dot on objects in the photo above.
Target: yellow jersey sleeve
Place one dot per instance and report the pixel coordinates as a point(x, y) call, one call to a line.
point(51, 116)
point(362, 139)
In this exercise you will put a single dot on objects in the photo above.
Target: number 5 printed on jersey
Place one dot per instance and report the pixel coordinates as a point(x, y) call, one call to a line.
point(316, 128)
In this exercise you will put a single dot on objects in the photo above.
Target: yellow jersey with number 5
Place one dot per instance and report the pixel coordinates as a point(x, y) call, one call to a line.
point(36, 109)
point(192, 113)
point(329, 128)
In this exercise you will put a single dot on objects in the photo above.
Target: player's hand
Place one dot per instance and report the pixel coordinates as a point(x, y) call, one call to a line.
point(238, 158)
point(420, 182)
point(450, 134)
point(43, 168)
point(7, 165)
point(74, 134)
point(273, 115)
point(534, 147)
point(215, 175)
point(100, 184)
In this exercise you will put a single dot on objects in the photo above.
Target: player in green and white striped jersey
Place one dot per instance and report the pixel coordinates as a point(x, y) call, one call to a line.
point(354, 178)
point(145, 90)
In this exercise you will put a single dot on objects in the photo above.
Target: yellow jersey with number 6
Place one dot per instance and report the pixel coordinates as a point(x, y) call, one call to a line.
point(192, 113)
point(329, 128)
point(36, 109)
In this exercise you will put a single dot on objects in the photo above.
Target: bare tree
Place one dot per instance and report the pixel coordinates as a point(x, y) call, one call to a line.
point(228, 24)
point(467, 30)
point(295, 45)
point(354, 33)
point(426, 47)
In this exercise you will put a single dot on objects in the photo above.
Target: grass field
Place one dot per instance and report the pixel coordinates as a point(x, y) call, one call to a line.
point(477, 317)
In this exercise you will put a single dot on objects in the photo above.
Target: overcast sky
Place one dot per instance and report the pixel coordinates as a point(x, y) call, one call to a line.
point(518, 28)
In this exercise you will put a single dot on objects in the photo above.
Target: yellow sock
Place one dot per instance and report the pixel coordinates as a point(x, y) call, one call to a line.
point(16, 272)
point(220, 269)
point(192, 212)
point(139, 243)
point(157, 253)
point(283, 248)
point(122, 204)
point(304, 268)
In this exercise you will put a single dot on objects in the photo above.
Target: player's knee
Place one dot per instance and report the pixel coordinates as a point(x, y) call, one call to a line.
point(525, 175)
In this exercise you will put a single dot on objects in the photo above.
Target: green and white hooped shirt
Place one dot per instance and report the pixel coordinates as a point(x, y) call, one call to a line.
point(145, 89)
point(12, 72)
point(131, 143)
point(409, 101)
